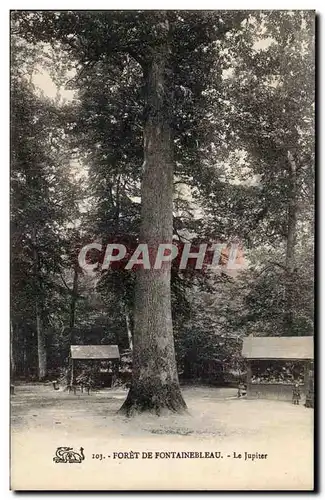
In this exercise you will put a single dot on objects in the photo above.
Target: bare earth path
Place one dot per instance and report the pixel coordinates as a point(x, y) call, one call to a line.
point(44, 419)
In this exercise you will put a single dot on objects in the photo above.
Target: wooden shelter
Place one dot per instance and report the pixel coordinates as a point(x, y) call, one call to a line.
point(280, 350)
point(94, 353)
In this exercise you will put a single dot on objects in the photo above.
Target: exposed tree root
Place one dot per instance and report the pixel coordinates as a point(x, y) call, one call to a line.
point(165, 399)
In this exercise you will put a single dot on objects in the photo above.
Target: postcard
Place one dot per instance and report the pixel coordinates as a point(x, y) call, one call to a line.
point(162, 250)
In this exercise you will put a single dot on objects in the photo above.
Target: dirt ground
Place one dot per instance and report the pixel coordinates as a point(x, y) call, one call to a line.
point(263, 444)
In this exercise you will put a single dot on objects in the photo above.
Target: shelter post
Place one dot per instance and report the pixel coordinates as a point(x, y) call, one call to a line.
point(72, 373)
point(249, 375)
point(306, 376)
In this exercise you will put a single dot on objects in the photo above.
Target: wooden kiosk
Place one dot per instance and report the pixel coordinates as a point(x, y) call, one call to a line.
point(94, 353)
point(299, 350)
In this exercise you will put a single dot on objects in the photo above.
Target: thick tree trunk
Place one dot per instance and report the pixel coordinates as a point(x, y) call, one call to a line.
point(290, 250)
point(155, 385)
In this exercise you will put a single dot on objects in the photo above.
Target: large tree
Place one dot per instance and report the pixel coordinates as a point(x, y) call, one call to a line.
point(174, 51)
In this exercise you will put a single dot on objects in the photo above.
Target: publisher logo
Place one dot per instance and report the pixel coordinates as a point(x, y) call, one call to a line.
point(66, 455)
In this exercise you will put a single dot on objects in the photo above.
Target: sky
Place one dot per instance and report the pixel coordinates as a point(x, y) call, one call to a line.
point(43, 81)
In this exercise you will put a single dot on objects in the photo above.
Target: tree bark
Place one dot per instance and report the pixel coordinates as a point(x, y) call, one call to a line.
point(155, 385)
point(291, 244)
point(13, 366)
point(74, 297)
point(72, 320)
point(41, 345)
point(128, 327)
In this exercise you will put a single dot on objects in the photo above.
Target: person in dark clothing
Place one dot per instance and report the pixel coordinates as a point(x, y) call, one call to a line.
point(296, 394)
